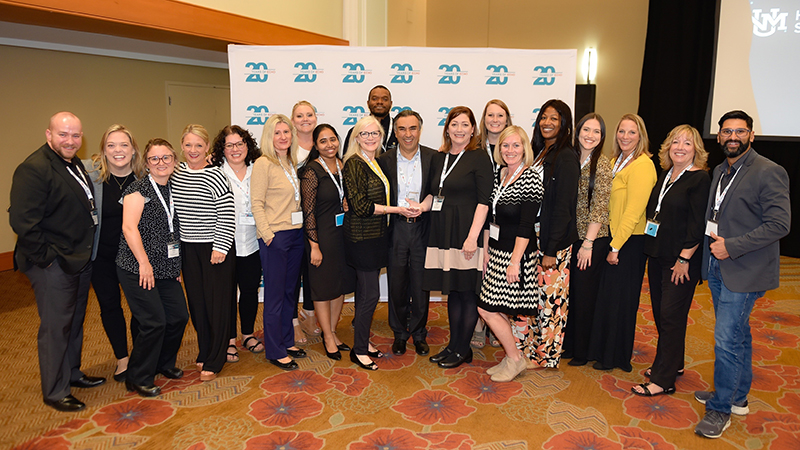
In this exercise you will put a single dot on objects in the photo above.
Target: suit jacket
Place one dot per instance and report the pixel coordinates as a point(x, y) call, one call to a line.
point(50, 213)
point(754, 216)
point(388, 163)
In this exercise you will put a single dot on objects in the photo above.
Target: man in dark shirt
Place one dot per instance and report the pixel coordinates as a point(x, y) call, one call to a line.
point(379, 103)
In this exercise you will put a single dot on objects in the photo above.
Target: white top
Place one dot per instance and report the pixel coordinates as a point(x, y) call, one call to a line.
point(245, 236)
point(302, 154)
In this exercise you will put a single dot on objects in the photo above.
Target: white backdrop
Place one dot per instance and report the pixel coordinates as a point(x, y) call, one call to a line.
point(270, 79)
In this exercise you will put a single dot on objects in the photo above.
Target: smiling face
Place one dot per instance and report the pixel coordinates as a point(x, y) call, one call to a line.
point(627, 136)
point(118, 151)
point(65, 135)
point(160, 170)
point(495, 119)
point(194, 150)
point(407, 131)
point(512, 150)
point(327, 144)
point(282, 138)
point(369, 138)
point(550, 125)
point(681, 151)
point(379, 102)
point(460, 130)
point(590, 134)
point(304, 119)
point(235, 149)
point(735, 145)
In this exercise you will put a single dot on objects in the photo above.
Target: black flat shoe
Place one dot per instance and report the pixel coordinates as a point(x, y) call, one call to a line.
point(599, 366)
point(66, 404)
point(577, 362)
point(144, 391)
point(173, 373)
point(455, 360)
point(87, 382)
point(121, 376)
point(421, 347)
point(399, 347)
point(375, 354)
point(297, 354)
point(291, 365)
point(370, 366)
point(441, 355)
point(343, 347)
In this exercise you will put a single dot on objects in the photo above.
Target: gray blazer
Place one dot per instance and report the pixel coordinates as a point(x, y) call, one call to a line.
point(94, 174)
point(754, 216)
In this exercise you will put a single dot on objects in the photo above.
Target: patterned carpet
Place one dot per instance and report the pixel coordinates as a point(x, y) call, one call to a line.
point(409, 403)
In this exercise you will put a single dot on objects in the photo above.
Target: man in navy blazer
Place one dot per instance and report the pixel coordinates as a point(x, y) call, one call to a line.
point(748, 213)
point(53, 213)
point(408, 166)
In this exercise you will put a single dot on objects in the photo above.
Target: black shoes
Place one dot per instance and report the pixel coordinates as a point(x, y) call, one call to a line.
point(375, 354)
point(577, 362)
point(173, 373)
point(297, 354)
point(144, 391)
point(66, 404)
point(87, 382)
point(399, 347)
point(120, 376)
point(421, 348)
point(291, 365)
point(336, 356)
point(370, 366)
point(441, 355)
point(343, 347)
point(455, 360)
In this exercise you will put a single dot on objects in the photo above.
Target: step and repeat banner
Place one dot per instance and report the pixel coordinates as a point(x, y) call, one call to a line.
point(267, 80)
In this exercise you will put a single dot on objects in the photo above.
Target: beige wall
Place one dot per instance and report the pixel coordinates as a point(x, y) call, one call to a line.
point(407, 22)
point(35, 84)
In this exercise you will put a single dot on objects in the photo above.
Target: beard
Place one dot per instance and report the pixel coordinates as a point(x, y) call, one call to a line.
point(733, 153)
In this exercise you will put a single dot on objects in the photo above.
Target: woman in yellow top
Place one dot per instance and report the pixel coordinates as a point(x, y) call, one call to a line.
point(634, 176)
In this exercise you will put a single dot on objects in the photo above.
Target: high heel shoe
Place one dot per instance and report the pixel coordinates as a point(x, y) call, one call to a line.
point(336, 355)
point(121, 376)
point(375, 354)
point(343, 347)
point(144, 391)
point(455, 360)
point(370, 366)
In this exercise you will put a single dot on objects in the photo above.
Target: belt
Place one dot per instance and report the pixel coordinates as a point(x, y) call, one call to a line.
point(411, 219)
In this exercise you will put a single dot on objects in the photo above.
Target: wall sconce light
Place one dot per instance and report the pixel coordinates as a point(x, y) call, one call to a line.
point(590, 64)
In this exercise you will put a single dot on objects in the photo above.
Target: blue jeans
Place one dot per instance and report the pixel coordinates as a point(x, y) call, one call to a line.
point(733, 348)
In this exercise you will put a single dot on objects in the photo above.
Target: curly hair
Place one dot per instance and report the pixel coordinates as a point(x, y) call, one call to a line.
point(218, 148)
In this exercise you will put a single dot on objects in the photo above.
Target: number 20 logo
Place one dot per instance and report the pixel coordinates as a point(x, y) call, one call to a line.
point(304, 77)
point(256, 77)
point(353, 78)
point(449, 79)
point(402, 79)
point(497, 79)
point(259, 115)
point(544, 80)
point(446, 111)
point(352, 110)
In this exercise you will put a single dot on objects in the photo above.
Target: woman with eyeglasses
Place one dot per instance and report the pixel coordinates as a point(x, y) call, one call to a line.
point(148, 265)
point(365, 225)
point(234, 150)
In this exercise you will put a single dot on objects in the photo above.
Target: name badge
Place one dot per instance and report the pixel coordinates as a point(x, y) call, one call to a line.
point(95, 217)
point(339, 219)
point(438, 201)
point(247, 219)
point(173, 250)
point(651, 229)
point(494, 231)
point(712, 227)
point(297, 217)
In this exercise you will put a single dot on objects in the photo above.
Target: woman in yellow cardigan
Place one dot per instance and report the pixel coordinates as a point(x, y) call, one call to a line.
point(634, 176)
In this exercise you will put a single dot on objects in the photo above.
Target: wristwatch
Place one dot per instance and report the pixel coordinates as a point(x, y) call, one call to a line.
point(682, 260)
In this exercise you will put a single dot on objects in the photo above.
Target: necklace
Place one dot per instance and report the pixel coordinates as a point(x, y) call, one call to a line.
point(124, 180)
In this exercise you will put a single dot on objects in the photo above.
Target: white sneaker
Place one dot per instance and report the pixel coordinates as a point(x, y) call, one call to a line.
point(740, 409)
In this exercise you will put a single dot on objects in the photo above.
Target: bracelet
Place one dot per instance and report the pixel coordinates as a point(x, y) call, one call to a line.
point(384, 210)
point(512, 264)
point(591, 241)
point(682, 260)
point(585, 247)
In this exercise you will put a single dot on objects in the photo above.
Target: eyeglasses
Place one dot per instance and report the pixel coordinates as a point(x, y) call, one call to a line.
point(240, 145)
point(155, 159)
point(369, 134)
point(740, 132)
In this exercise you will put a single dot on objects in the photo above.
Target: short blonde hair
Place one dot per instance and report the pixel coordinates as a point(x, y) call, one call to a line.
point(197, 130)
point(527, 155)
point(101, 161)
point(643, 147)
point(268, 148)
point(700, 153)
point(353, 147)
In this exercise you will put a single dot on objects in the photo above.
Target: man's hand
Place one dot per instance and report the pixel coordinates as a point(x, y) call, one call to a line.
point(718, 247)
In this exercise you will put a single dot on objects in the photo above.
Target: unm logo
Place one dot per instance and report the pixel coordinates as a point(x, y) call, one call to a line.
point(544, 79)
point(405, 73)
point(356, 74)
point(259, 115)
point(397, 109)
point(767, 24)
point(451, 69)
point(259, 72)
point(445, 110)
point(500, 74)
point(353, 114)
point(307, 72)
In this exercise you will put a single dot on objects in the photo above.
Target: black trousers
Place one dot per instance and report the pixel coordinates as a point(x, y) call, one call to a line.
point(106, 286)
point(302, 284)
point(671, 305)
point(368, 292)
point(583, 287)
point(162, 315)
point(61, 302)
point(408, 303)
point(247, 277)
point(208, 291)
point(462, 313)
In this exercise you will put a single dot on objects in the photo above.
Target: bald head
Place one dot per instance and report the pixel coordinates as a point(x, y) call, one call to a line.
point(65, 134)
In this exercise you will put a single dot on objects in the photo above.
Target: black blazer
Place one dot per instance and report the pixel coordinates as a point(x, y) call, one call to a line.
point(50, 213)
point(388, 163)
point(558, 220)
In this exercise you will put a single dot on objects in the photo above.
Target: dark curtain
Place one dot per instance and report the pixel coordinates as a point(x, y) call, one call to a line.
point(676, 84)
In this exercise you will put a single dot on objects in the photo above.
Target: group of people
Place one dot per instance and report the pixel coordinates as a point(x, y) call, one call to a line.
point(544, 239)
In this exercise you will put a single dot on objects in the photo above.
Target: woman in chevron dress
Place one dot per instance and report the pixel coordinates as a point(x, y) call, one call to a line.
point(510, 285)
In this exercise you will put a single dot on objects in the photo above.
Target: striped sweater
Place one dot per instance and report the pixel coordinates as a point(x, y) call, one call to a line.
point(205, 207)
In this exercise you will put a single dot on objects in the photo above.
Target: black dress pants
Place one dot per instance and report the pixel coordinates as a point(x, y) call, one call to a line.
point(106, 286)
point(408, 303)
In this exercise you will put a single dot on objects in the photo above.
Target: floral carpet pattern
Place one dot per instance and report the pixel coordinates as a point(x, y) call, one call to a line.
point(409, 403)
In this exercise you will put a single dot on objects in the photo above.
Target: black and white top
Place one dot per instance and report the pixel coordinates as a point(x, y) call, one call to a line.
point(204, 204)
point(154, 230)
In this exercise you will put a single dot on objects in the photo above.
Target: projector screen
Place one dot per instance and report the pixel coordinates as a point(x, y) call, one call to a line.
point(758, 65)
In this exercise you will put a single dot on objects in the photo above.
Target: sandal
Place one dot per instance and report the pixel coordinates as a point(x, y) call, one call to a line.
point(233, 356)
point(647, 393)
point(309, 324)
point(492, 339)
point(649, 371)
point(254, 347)
point(478, 338)
point(299, 336)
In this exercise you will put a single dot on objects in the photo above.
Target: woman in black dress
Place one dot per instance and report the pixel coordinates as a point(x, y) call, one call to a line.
point(329, 276)
point(675, 225)
point(461, 179)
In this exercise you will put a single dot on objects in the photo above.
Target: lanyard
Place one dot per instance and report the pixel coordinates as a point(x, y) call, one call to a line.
point(618, 166)
point(84, 185)
point(244, 188)
point(586, 161)
point(495, 166)
point(445, 173)
point(340, 184)
point(293, 180)
point(375, 168)
point(665, 188)
point(720, 197)
point(401, 174)
point(171, 210)
point(502, 189)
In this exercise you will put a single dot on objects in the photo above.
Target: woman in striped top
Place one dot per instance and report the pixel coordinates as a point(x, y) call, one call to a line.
point(205, 208)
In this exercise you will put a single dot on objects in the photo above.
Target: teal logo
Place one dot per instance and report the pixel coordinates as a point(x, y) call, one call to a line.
point(498, 75)
point(258, 72)
point(355, 74)
point(397, 109)
point(452, 74)
point(535, 112)
point(445, 111)
point(404, 73)
point(353, 114)
point(546, 75)
point(307, 73)
point(257, 115)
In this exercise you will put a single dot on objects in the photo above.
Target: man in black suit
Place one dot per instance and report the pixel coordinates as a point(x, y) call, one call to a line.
point(379, 103)
point(408, 167)
point(53, 213)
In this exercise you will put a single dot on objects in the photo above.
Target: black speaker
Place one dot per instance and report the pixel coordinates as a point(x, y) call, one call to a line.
point(584, 100)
